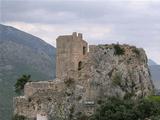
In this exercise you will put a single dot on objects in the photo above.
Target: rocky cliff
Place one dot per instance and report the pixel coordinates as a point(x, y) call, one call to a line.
point(107, 70)
point(118, 70)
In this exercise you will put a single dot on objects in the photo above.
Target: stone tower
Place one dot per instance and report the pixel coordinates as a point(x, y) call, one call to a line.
point(71, 49)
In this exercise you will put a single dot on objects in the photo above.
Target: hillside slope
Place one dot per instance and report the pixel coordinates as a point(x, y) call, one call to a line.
point(155, 72)
point(21, 53)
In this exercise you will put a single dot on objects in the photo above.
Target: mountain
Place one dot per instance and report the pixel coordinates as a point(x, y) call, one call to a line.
point(155, 72)
point(151, 62)
point(21, 53)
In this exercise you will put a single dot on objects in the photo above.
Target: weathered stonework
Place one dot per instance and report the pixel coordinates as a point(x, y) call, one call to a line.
point(71, 50)
point(85, 78)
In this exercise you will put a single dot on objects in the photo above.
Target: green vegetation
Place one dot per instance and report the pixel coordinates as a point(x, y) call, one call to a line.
point(19, 117)
point(19, 86)
point(136, 51)
point(118, 50)
point(117, 109)
point(117, 79)
point(154, 98)
point(68, 82)
point(83, 117)
point(128, 96)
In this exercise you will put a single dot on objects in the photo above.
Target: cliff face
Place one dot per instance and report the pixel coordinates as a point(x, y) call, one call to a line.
point(107, 70)
point(118, 70)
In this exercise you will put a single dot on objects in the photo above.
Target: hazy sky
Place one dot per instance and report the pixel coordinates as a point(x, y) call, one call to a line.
point(135, 22)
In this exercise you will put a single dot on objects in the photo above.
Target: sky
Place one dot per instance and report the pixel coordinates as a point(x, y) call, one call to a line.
point(134, 22)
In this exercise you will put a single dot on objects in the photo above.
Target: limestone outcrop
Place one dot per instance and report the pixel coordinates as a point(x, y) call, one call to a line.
point(104, 71)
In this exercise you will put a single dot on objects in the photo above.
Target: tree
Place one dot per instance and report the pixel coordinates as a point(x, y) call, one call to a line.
point(19, 86)
point(117, 109)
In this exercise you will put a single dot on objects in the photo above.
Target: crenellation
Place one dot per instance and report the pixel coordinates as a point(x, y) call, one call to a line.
point(22, 107)
point(74, 35)
point(80, 36)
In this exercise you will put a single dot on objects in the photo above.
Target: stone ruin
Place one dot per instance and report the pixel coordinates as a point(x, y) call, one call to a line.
point(71, 50)
point(85, 76)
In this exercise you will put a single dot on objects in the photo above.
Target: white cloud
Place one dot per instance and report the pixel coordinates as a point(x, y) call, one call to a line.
point(134, 22)
point(49, 32)
point(93, 33)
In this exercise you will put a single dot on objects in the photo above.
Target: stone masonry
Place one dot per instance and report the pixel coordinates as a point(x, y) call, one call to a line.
point(85, 76)
point(71, 50)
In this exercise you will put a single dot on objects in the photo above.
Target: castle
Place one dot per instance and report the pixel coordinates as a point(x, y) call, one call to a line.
point(84, 76)
point(71, 50)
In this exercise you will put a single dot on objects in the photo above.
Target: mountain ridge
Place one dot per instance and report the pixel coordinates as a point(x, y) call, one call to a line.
point(151, 62)
point(21, 53)
point(155, 73)
point(35, 43)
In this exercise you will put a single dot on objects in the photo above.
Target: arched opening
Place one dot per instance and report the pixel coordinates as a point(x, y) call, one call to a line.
point(84, 50)
point(80, 65)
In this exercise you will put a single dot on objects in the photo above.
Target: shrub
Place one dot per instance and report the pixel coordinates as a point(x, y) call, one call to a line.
point(154, 98)
point(136, 51)
point(118, 50)
point(128, 95)
point(69, 81)
point(19, 117)
point(79, 98)
point(81, 116)
point(117, 79)
point(19, 86)
point(118, 109)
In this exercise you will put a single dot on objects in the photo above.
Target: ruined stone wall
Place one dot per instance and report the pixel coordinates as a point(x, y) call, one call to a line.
point(38, 97)
point(32, 87)
point(23, 107)
point(103, 73)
